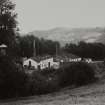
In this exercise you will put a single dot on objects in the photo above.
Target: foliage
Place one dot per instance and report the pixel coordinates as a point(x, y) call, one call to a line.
point(8, 25)
point(40, 84)
point(95, 51)
point(77, 74)
point(12, 80)
point(42, 46)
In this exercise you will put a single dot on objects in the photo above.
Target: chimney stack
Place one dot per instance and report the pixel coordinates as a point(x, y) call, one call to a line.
point(56, 50)
point(34, 49)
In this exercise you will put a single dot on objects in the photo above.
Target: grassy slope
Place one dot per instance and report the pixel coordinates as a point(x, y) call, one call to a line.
point(93, 94)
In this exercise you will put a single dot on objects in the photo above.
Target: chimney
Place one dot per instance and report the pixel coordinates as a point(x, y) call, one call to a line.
point(56, 50)
point(34, 49)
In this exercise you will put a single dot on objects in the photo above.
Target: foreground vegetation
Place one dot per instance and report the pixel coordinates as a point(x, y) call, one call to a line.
point(93, 94)
point(14, 82)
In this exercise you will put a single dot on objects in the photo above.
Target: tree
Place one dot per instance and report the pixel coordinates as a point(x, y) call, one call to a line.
point(1, 2)
point(42, 46)
point(95, 51)
point(78, 73)
point(12, 79)
point(8, 24)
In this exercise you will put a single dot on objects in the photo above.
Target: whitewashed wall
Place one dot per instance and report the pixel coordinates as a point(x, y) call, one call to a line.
point(33, 63)
point(45, 63)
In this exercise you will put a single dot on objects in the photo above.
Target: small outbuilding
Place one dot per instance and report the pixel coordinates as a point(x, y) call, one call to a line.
point(3, 49)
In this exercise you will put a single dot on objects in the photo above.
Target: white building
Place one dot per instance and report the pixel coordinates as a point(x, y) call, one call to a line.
point(3, 48)
point(75, 59)
point(39, 62)
point(68, 58)
point(30, 62)
point(56, 65)
point(88, 60)
point(46, 63)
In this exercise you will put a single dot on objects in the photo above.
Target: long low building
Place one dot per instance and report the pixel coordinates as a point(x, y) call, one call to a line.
point(40, 63)
point(67, 58)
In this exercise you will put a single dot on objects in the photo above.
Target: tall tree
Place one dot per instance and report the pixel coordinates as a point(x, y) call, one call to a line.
point(8, 23)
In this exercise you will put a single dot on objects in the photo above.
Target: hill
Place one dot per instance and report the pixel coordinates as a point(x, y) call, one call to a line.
point(101, 38)
point(74, 35)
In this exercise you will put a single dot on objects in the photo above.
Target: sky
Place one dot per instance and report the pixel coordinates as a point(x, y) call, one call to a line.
point(47, 14)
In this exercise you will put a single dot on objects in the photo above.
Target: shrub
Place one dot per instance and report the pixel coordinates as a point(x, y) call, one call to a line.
point(79, 73)
point(37, 83)
point(40, 84)
point(12, 80)
point(47, 71)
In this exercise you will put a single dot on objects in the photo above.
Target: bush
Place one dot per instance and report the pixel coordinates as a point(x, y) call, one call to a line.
point(12, 80)
point(48, 72)
point(36, 83)
point(79, 73)
point(40, 84)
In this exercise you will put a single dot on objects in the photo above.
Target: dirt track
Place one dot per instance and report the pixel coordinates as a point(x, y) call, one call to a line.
point(88, 95)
